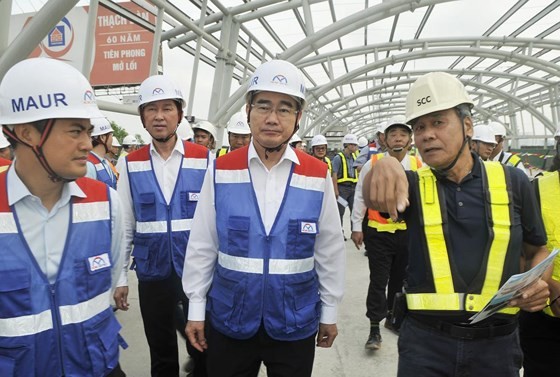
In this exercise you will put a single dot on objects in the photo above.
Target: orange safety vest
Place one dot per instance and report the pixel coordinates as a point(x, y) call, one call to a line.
point(375, 219)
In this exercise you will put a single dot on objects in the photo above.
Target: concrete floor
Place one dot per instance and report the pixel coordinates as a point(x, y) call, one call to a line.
point(347, 357)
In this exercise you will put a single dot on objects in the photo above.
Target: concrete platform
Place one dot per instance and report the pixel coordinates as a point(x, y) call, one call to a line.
point(347, 357)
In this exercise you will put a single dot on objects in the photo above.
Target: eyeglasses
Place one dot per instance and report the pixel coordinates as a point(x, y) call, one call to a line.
point(282, 112)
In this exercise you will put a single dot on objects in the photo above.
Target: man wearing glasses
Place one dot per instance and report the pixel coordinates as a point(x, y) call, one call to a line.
point(266, 255)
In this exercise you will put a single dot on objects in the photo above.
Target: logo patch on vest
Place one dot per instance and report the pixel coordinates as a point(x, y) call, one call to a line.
point(193, 196)
point(308, 227)
point(99, 262)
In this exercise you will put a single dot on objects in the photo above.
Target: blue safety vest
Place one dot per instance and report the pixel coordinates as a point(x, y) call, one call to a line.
point(101, 171)
point(66, 328)
point(162, 229)
point(264, 278)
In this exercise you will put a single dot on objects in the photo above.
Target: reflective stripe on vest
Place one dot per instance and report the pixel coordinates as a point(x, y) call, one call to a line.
point(549, 193)
point(329, 163)
point(222, 152)
point(375, 220)
point(513, 160)
point(345, 176)
point(256, 265)
point(445, 297)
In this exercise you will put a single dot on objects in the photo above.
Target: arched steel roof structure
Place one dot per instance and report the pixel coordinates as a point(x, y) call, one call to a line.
point(359, 56)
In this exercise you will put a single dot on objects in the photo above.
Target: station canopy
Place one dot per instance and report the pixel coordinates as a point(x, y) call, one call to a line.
point(360, 57)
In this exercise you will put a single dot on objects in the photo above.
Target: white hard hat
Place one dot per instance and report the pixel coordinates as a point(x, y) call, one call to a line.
point(499, 129)
point(185, 132)
point(484, 133)
point(433, 92)
point(41, 88)
point(101, 126)
point(295, 139)
point(397, 120)
point(130, 140)
point(278, 76)
point(115, 142)
point(557, 132)
point(362, 141)
point(206, 126)
point(350, 139)
point(157, 88)
point(3, 141)
point(238, 124)
point(318, 140)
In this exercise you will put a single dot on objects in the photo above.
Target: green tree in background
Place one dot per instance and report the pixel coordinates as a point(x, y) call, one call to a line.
point(120, 133)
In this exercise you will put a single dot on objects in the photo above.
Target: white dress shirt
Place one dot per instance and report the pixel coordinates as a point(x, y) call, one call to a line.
point(360, 208)
point(269, 187)
point(46, 232)
point(166, 172)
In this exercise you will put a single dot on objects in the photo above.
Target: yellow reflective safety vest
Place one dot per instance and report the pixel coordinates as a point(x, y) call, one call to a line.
point(345, 177)
point(329, 164)
point(375, 219)
point(222, 151)
point(498, 206)
point(548, 187)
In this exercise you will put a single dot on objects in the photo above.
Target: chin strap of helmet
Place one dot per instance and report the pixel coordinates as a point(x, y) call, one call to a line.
point(38, 150)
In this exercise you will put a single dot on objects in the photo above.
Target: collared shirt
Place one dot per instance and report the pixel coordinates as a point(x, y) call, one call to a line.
point(269, 186)
point(92, 171)
point(360, 210)
point(166, 172)
point(337, 165)
point(468, 229)
point(46, 231)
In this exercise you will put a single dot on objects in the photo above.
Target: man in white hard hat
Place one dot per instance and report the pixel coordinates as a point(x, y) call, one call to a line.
point(344, 175)
point(498, 154)
point(385, 240)
point(159, 185)
point(60, 232)
point(377, 145)
point(296, 142)
point(98, 167)
point(114, 151)
point(205, 134)
point(469, 222)
point(319, 147)
point(265, 264)
point(362, 142)
point(483, 141)
point(239, 134)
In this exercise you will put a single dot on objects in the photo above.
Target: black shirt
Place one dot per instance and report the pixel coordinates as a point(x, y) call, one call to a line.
point(468, 230)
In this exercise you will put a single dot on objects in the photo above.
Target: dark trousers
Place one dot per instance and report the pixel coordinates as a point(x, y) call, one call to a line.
point(540, 341)
point(347, 193)
point(158, 305)
point(428, 352)
point(387, 256)
point(117, 372)
point(228, 357)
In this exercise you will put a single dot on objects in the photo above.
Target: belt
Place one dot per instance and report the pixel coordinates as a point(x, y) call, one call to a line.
point(466, 331)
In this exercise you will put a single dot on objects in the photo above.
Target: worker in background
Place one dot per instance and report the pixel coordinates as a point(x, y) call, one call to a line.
point(319, 147)
point(265, 264)
point(362, 142)
point(296, 142)
point(498, 154)
point(159, 186)
point(239, 134)
point(129, 145)
point(377, 145)
point(469, 224)
point(6, 150)
point(98, 167)
point(344, 175)
point(483, 141)
point(114, 151)
point(205, 134)
point(60, 232)
point(539, 332)
point(385, 240)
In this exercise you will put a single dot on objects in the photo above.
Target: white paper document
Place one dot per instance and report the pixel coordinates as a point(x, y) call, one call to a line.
point(343, 202)
point(513, 288)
